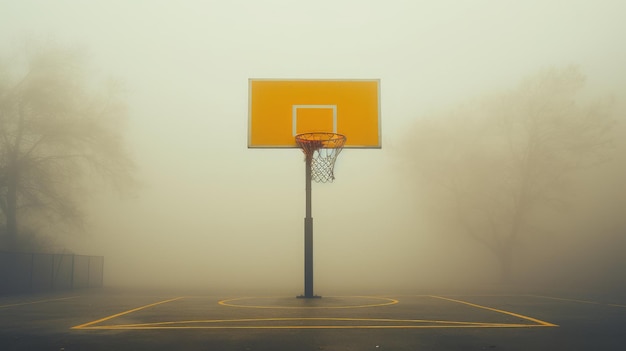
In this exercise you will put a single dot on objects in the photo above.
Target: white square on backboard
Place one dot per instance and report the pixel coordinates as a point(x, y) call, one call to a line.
point(294, 115)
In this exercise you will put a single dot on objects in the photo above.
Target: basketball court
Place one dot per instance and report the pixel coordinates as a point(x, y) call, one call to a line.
point(124, 320)
point(319, 117)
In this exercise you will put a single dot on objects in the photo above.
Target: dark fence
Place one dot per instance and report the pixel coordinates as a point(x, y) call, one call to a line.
point(37, 272)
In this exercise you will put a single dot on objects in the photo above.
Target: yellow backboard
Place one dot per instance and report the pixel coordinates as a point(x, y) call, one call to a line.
point(281, 109)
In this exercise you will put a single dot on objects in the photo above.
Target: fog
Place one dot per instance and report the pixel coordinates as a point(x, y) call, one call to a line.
point(210, 213)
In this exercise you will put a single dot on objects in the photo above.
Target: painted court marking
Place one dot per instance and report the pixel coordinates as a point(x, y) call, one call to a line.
point(83, 326)
point(313, 323)
point(579, 301)
point(539, 322)
point(37, 301)
point(232, 303)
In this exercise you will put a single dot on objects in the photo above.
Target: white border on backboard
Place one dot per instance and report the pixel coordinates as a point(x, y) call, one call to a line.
point(294, 115)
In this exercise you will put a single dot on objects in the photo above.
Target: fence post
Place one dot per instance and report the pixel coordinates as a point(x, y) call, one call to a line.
point(52, 271)
point(89, 272)
point(32, 270)
point(73, 271)
point(102, 272)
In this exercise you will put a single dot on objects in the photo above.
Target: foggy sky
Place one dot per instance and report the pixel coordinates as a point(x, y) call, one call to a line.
point(211, 210)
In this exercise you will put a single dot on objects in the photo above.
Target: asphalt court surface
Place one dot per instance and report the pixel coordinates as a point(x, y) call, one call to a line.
point(102, 319)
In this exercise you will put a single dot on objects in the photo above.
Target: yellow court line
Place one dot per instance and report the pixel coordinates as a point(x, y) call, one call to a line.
point(82, 326)
point(440, 324)
point(38, 301)
point(292, 319)
point(615, 305)
point(544, 323)
point(568, 300)
point(578, 301)
point(113, 327)
point(391, 302)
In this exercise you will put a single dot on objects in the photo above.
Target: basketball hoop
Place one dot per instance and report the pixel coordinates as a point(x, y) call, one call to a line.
point(322, 149)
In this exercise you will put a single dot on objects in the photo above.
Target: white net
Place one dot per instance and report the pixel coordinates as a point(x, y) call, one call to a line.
point(323, 148)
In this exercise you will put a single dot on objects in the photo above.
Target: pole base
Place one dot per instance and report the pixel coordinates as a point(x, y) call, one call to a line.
point(308, 297)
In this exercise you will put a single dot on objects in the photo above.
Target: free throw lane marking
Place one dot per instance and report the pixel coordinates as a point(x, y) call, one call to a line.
point(123, 313)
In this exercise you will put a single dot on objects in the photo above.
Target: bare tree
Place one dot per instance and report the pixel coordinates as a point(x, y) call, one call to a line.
point(56, 130)
point(494, 163)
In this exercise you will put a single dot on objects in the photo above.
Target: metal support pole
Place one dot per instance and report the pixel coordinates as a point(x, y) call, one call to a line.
point(308, 235)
